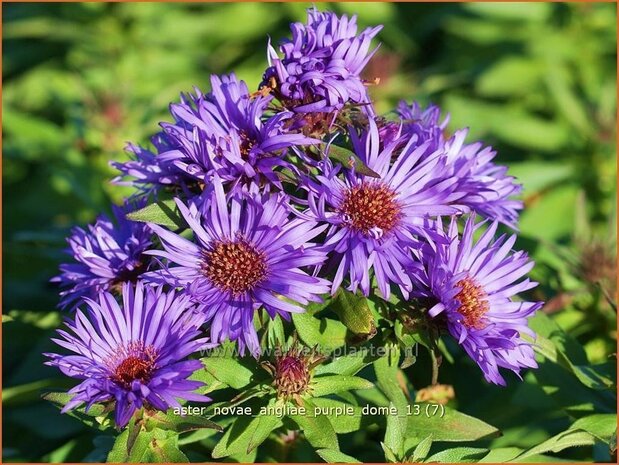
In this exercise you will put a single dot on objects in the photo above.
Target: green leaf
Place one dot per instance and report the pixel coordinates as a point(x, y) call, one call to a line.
point(354, 312)
point(317, 429)
point(344, 423)
point(163, 212)
point(96, 416)
point(423, 449)
point(164, 449)
point(349, 364)
point(275, 332)
point(228, 370)
point(335, 456)
point(179, 423)
point(555, 210)
point(132, 445)
point(324, 385)
point(569, 438)
point(509, 76)
point(389, 454)
point(266, 424)
point(539, 175)
point(453, 426)
point(237, 437)
point(501, 454)
point(349, 160)
point(30, 392)
point(602, 426)
point(458, 455)
point(562, 349)
point(386, 369)
point(328, 334)
point(395, 433)
point(511, 11)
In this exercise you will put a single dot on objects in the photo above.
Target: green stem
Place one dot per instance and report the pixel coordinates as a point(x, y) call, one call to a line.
point(435, 365)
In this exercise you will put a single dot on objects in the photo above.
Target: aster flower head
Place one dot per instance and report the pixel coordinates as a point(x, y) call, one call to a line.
point(485, 187)
point(227, 133)
point(292, 371)
point(321, 65)
point(148, 172)
point(249, 251)
point(470, 287)
point(134, 354)
point(426, 123)
point(374, 221)
point(107, 254)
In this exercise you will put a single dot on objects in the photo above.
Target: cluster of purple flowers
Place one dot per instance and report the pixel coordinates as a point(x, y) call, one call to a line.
point(277, 223)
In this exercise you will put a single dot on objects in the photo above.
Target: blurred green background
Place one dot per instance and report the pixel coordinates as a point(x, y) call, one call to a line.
point(536, 81)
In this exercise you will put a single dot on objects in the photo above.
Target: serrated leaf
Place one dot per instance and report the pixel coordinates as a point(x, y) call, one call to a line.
point(229, 371)
point(350, 160)
point(317, 429)
point(458, 454)
point(324, 385)
point(163, 212)
point(335, 456)
point(354, 312)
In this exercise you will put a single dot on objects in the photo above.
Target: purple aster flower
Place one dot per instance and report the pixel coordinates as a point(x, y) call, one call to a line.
point(426, 123)
point(227, 133)
point(249, 252)
point(107, 254)
point(148, 172)
point(374, 221)
point(486, 188)
point(322, 64)
point(471, 286)
point(134, 355)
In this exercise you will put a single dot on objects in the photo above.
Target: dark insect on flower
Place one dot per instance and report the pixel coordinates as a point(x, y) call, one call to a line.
point(292, 371)
point(134, 355)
